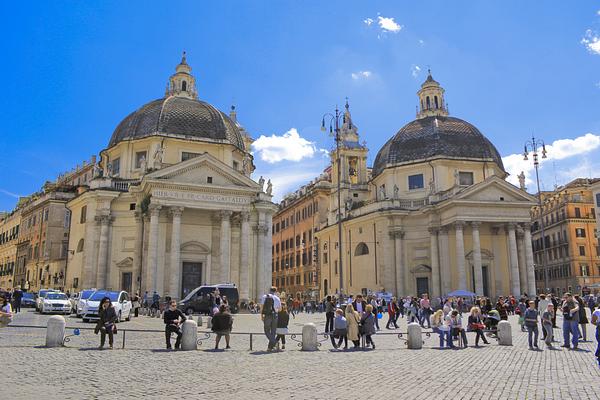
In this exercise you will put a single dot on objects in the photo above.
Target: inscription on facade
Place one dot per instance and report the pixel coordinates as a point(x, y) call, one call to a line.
point(207, 197)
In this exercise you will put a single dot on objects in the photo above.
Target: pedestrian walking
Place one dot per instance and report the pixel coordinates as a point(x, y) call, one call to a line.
point(155, 307)
point(17, 297)
point(531, 323)
point(353, 321)
point(6, 314)
point(520, 311)
point(340, 330)
point(501, 308)
point(283, 320)
point(425, 311)
point(570, 311)
point(542, 307)
point(222, 323)
point(106, 322)
point(392, 314)
point(135, 303)
point(271, 304)
point(367, 325)
point(596, 322)
point(475, 324)
point(329, 314)
point(173, 318)
point(373, 303)
point(583, 320)
point(547, 324)
point(438, 326)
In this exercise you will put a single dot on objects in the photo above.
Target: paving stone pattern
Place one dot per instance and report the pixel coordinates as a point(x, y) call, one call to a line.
point(145, 370)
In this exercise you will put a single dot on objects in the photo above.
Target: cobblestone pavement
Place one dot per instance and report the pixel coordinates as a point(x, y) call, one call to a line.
point(144, 369)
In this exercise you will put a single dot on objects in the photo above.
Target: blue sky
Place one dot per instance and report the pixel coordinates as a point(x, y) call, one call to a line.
point(71, 71)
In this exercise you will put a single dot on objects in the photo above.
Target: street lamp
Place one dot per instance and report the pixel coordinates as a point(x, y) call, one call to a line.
point(533, 146)
point(334, 130)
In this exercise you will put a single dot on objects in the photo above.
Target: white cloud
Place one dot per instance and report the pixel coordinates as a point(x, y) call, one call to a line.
point(290, 147)
point(591, 41)
point(559, 150)
point(415, 70)
point(387, 24)
point(421, 42)
point(368, 21)
point(598, 12)
point(361, 75)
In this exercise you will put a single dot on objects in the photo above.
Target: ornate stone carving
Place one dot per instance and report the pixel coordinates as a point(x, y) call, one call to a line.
point(154, 210)
point(176, 211)
point(269, 188)
point(433, 230)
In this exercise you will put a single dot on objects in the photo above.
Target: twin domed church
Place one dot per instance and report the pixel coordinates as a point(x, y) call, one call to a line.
point(172, 206)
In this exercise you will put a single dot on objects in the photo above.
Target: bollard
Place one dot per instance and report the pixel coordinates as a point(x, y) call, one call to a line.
point(309, 337)
point(209, 322)
point(190, 335)
point(504, 333)
point(415, 340)
point(199, 320)
point(55, 332)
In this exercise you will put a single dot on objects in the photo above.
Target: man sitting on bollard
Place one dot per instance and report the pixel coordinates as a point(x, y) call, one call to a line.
point(271, 306)
point(173, 319)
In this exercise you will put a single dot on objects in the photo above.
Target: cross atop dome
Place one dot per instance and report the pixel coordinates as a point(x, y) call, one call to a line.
point(182, 83)
point(431, 98)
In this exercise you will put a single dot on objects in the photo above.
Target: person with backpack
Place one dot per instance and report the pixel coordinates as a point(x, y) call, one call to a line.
point(271, 306)
point(5, 312)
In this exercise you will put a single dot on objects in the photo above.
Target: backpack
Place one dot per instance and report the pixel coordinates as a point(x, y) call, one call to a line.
point(268, 306)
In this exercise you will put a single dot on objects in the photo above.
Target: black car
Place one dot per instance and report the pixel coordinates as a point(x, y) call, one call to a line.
point(200, 300)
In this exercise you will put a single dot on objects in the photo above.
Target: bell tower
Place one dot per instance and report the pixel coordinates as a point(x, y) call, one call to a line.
point(431, 99)
point(182, 83)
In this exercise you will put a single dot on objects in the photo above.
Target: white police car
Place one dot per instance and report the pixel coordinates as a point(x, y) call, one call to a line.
point(55, 302)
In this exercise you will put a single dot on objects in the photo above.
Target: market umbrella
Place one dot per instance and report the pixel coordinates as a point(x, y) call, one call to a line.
point(461, 293)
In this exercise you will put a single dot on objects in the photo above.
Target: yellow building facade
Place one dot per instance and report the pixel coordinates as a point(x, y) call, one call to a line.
point(9, 235)
point(434, 215)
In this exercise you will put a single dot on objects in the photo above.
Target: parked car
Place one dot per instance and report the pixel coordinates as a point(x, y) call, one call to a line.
point(28, 299)
point(81, 300)
point(199, 300)
point(55, 302)
point(40, 298)
point(120, 301)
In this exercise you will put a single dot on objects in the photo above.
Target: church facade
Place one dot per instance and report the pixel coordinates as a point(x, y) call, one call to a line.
point(172, 205)
point(434, 214)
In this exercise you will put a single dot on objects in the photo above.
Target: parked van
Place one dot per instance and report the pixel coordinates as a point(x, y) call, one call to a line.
point(199, 299)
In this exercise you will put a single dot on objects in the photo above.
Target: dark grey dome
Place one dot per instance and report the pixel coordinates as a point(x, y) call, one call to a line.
point(436, 136)
point(178, 117)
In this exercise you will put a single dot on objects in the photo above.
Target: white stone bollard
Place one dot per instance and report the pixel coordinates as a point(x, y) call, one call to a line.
point(415, 340)
point(209, 322)
point(504, 333)
point(199, 320)
point(309, 337)
point(55, 331)
point(189, 339)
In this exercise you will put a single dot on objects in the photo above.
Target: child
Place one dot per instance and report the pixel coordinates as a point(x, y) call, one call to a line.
point(547, 324)
point(283, 319)
point(531, 319)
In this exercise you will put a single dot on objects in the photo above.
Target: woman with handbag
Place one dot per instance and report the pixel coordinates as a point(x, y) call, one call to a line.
point(340, 330)
point(106, 323)
point(283, 319)
point(476, 325)
point(520, 311)
point(438, 326)
point(367, 324)
point(352, 319)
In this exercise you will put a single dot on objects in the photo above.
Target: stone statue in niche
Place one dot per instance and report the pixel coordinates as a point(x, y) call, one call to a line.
point(382, 192)
point(143, 165)
point(431, 186)
point(158, 157)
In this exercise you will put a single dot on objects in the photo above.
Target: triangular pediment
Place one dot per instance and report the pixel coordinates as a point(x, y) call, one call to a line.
point(494, 189)
point(202, 170)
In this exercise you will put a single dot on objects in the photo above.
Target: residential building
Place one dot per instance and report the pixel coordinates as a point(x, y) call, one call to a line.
point(9, 235)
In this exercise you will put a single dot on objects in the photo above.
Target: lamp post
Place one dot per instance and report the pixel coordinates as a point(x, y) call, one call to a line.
point(533, 146)
point(334, 130)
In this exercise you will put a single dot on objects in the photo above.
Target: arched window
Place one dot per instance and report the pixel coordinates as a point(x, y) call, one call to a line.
point(428, 102)
point(361, 249)
point(184, 86)
point(80, 246)
point(436, 102)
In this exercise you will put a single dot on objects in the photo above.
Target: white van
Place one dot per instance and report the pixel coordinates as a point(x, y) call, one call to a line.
point(120, 300)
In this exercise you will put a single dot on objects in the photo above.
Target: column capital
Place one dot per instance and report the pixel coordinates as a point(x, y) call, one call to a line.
point(245, 216)
point(397, 234)
point(261, 229)
point(103, 219)
point(511, 226)
point(176, 211)
point(225, 214)
point(138, 215)
point(434, 230)
point(154, 210)
point(459, 225)
point(475, 224)
point(443, 230)
point(526, 226)
point(496, 229)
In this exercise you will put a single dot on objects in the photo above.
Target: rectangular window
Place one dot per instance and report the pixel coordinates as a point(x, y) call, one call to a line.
point(336, 271)
point(139, 157)
point(582, 250)
point(580, 232)
point(116, 166)
point(187, 155)
point(593, 211)
point(415, 182)
point(584, 270)
point(209, 179)
point(236, 165)
point(598, 199)
point(83, 216)
point(465, 178)
point(577, 212)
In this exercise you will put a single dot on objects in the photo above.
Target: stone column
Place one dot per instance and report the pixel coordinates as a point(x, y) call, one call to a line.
point(522, 260)
point(225, 246)
point(445, 261)
point(399, 263)
point(152, 283)
point(435, 264)
point(90, 261)
point(103, 221)
point(531, 289)
point(477, 258)
point(244, 254)
point(500, 288)
point(137, 252)
point(268, 243)
point(514, 261)
point(175, 270)
point(260, 257)
point(460, 255)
